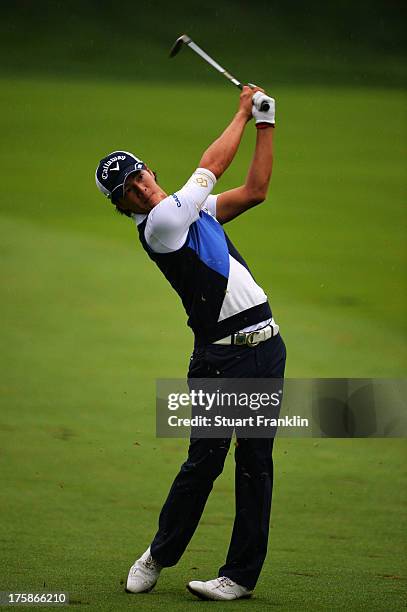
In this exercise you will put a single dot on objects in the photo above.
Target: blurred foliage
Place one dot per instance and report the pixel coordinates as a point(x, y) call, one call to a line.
point(343, 42)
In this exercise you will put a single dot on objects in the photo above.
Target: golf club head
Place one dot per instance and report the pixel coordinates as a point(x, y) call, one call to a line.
point(184, 39)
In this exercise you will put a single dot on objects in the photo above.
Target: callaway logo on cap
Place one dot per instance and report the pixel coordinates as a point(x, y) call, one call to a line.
point(113, 170)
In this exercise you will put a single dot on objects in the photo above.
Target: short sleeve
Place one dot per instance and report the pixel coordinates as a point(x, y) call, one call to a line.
point(210, 205)
point(168, 223)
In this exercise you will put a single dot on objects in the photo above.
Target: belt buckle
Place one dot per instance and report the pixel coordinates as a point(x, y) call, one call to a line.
point(240, 338)
point(250, 339)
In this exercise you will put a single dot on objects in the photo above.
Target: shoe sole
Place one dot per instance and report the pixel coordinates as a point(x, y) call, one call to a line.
point(206, 598)
point(139, 592)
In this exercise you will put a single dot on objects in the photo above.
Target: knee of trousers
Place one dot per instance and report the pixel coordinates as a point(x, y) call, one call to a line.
point(206, 467)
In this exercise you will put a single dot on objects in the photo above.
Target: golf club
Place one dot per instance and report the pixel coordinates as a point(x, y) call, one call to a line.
point(186, 40)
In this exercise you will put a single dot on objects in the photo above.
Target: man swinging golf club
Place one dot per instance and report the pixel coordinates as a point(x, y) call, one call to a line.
point(235, 337)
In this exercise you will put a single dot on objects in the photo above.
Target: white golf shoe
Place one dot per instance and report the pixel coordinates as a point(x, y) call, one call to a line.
point(143, 575)
point(221, 589)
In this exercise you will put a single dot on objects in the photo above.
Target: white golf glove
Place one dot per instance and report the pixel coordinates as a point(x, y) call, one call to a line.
point(263, 116)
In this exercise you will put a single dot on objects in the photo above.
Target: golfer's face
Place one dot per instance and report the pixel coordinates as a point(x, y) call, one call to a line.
point(138, 191)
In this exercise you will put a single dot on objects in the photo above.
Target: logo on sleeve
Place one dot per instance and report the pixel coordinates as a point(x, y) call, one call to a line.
point(202, 181)
point(178, 203)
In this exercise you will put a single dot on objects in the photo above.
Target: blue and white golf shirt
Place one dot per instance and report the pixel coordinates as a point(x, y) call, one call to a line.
point(182, 236)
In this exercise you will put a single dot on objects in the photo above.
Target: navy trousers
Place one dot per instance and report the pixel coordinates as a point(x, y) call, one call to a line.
point(186, 500)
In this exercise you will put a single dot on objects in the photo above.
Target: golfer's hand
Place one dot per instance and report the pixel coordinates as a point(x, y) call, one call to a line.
point(246, 101)
point(263, 118)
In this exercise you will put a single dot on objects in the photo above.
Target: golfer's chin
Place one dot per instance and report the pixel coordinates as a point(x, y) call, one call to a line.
point(143, 208)
point(148, 203)
point(154, 200)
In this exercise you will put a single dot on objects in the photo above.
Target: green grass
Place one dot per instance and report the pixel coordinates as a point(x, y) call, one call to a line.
point(83, 477)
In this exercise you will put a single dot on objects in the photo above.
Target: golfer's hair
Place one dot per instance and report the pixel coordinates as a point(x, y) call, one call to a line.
point(123, 212)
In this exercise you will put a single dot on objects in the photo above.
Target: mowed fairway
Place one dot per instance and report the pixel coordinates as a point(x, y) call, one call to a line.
point(88, 324)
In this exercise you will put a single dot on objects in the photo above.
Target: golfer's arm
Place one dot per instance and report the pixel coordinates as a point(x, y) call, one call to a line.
point(219, 155)
point(232, 203)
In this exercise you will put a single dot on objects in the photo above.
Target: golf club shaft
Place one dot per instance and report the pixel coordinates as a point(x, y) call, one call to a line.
point(212, 62)
point(264, 107)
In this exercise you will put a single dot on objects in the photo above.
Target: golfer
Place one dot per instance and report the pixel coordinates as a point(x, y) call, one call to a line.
point(235, 337)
